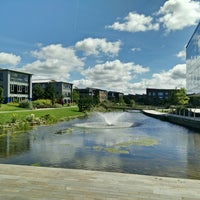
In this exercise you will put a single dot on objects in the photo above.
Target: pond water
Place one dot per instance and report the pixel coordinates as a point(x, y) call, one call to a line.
point(132, 143)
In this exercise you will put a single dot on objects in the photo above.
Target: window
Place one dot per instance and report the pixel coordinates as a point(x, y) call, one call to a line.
point(19, 88)
point(12, 87)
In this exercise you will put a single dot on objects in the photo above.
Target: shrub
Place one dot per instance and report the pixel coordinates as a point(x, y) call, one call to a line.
point(49, 118)
point(30, 118)
point(25, 104)
point(14, 118)
point(22, 126)
point(42, 103)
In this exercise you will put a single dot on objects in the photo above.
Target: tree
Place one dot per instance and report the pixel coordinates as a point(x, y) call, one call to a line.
point(75, 96)
point(50, 93)
point(85, 103)
point(1, 96)
point(172, 97)
point(181, 97)
point(38, 92)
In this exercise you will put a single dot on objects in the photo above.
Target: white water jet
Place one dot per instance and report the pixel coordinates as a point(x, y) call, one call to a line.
point(107, 120)
point(111, 118)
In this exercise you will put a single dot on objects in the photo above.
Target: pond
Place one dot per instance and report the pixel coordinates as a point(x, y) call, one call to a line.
point(131, 143)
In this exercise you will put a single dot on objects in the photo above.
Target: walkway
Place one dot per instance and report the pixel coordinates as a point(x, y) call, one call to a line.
point(40, 183)
point(190, 122)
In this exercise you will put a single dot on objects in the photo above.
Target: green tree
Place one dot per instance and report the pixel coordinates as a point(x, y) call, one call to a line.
point(38, 92)
point(181, 97)
point(172, 97)
point(75, 96)
point(195, 100)
point(1, 96)
point(50, 93)
point(85, 103)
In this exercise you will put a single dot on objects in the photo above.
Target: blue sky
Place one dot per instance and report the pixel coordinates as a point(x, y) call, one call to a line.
point(119, 45)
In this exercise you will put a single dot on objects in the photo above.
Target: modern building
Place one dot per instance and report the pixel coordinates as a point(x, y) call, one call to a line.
point(16, 85)
point(158, 96)
point(193, 63)
point(63, 89)
point(100, 95)
point(115, 96)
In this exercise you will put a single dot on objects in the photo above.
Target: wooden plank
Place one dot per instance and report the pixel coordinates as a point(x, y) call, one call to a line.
point(27, 182)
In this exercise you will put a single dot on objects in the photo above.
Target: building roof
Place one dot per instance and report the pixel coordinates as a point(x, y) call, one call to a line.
point(1, 69)
point(48, 81)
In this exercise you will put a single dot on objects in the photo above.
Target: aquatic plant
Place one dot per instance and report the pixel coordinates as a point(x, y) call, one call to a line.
point(14, 118)
point(111, 150)
point(143, 141)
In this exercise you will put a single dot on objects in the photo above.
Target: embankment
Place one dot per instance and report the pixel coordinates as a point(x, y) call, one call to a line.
point(190, 122)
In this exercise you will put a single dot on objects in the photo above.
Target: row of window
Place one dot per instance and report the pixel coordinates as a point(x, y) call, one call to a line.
point(18, 89)
point(18, 77)
point(158, 94)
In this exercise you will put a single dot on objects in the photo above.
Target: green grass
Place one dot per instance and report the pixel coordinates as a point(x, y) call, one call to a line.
point(11, 107)
point(59, 113)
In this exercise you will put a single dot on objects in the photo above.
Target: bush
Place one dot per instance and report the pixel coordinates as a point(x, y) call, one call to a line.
point(25, 104)
point(42, 103)
point(49, 118)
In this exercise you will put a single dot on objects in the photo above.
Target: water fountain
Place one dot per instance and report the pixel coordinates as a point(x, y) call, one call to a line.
point(106, 120)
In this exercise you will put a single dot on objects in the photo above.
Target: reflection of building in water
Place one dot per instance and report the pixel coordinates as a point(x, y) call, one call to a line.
point(12, 144)
point(193, 63)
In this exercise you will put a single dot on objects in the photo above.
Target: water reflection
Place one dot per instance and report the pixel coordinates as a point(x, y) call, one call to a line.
point(152, 147)
point(13, 143)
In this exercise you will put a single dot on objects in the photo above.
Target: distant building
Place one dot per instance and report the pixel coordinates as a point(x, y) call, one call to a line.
point(115, 96)
point(63, 89)
point(138, 98)
point(193, 63)
point(158, 96)
point(17, 85)
point(99, 94)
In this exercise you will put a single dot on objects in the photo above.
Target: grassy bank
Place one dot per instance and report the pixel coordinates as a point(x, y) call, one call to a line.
point(64, 113)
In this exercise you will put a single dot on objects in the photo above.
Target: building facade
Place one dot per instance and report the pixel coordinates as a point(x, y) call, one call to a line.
point(98, 94)
point(193, 63)
point(115, 96)
point(158, 96)
point(63, 89)
point(16, 85)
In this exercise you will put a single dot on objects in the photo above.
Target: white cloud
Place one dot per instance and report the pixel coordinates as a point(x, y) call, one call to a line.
point(135, 23)
point(178, 14)
point(136, 49)
point(93, 46)
point(111, 75)
point(181, 54)
point(55, 62)
point(9, 59)
point(173, 78)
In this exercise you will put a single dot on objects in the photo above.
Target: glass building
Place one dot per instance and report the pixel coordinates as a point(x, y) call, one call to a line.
point(193, 63)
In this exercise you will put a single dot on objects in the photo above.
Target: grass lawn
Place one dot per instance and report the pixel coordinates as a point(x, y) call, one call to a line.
point(10, 107)
point(63, 113)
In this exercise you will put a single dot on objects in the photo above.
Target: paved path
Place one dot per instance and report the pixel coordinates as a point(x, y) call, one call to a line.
point(154, 112)
point(40, 183)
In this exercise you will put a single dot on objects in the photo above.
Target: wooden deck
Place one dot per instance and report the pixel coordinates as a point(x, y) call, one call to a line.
point(41, 183)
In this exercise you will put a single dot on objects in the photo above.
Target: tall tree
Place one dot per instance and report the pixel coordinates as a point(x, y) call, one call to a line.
point(75, 96)
point(38, 92)
point(181, 97)
point(50, 93)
